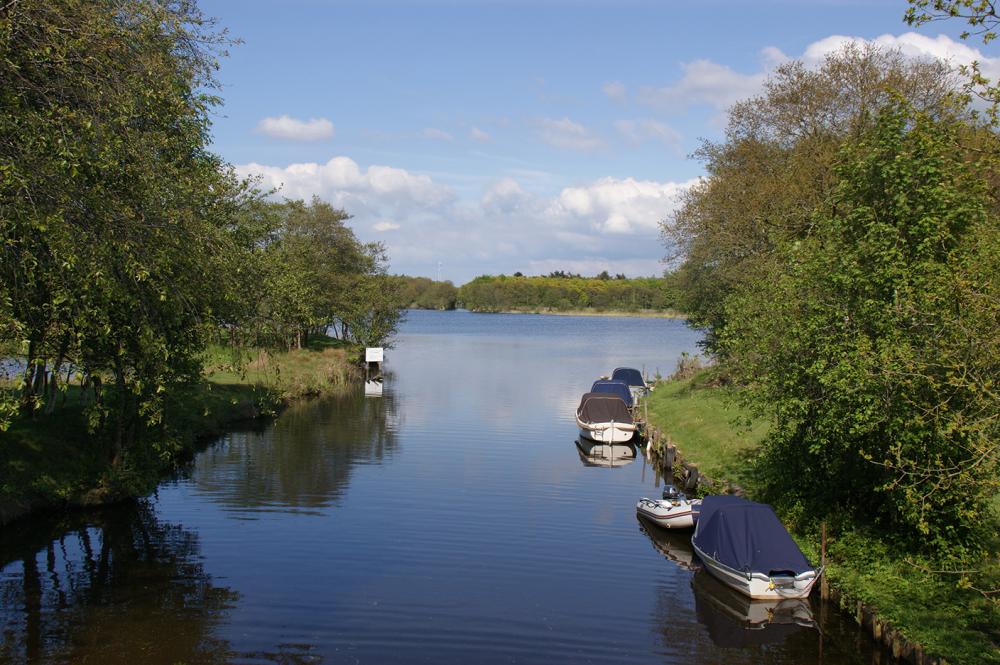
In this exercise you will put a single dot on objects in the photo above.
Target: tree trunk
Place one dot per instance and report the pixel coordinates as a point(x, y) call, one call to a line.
point(50, 404)
point(27, 396)
point(119, 439)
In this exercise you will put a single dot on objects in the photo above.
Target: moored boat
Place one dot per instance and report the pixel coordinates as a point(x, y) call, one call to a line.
point(673, 511)
point(619, 388)
point(744, 545)
point(604, 418)
point(633, 379)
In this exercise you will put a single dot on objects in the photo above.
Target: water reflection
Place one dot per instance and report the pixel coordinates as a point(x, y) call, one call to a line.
point(734, 621)
point(593, 453)
point(674, 545)
point(304, 461)
point(104, 586)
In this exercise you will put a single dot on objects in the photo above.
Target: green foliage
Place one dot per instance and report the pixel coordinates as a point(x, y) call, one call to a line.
point(309, 273)
point(112, 211)
point(872, 342)
point(562, 292)
point(424, 293)
point(125, 245)
point(713, 429)
point(776, 165)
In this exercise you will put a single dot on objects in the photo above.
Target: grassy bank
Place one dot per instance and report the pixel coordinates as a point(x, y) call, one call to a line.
point(53, 460)
point(931, 609)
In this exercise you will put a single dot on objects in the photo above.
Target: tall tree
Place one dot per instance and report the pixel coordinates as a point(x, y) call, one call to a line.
point(776, 165)
point(872, 341)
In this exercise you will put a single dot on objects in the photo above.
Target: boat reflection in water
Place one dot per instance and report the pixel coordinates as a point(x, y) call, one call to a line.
point(593, 453)
point(674, 545)
point(731, 618)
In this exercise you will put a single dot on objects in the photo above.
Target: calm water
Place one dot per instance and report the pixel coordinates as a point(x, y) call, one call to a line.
point(452, 520)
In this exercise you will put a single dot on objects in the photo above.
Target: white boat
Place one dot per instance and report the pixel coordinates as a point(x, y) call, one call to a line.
point(604, 418)
point(744, 545)
point(673, 511)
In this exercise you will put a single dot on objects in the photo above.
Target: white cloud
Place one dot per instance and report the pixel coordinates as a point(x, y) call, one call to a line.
point(567, 135)
point(287, 127)
point(719, 86)
point(505, 195)
point(640, 131)
point(703, 82)
point(437, 134)
point(343, 183)
point(586, 228)
point(479, 135)
point(910, 44)
point(615, 90)
point(620, 206)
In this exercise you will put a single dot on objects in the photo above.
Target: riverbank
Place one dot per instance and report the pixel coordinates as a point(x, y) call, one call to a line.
point(870, 576)
point(642, 313)
point(52, 461)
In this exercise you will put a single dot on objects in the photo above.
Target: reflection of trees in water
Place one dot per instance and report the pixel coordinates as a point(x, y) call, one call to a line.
point(112, 586)
point(305, 458)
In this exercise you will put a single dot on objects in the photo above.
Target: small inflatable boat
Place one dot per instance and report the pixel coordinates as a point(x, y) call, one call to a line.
point(673, 511)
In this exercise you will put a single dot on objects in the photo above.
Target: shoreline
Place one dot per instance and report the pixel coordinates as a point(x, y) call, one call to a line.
point(899, 615)
point(223, 402)
point(638, 314)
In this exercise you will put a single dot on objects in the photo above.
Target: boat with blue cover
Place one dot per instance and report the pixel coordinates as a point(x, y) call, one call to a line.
point(619, 388)
point(633, 379)
point(745, 545)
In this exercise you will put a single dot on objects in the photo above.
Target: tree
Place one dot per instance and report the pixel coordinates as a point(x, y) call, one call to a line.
point(113, 213)
point(776, 165)
point(872, 343)
point(981, 18)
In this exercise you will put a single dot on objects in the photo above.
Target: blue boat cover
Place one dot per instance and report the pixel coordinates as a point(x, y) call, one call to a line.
point(747, 536)
point(631, 377)
point(619, 388)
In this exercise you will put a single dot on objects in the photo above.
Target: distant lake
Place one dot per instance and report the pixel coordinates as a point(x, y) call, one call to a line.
point(451, 520)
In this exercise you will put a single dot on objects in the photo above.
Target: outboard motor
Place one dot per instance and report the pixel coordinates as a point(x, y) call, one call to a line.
point(671, 493)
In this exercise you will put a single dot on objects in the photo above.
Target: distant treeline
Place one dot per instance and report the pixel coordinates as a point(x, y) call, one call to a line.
point(557, 291)
point(561, 291)
point(425, 293)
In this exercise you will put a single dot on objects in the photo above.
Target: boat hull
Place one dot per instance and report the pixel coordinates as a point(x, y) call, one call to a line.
point(668, 514)
point(605, 433)
point(759, 586)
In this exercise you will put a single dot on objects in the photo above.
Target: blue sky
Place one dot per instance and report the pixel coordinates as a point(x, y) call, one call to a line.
point(501, 136)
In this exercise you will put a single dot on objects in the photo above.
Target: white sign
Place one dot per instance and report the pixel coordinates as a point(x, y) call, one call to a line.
point(373, 354)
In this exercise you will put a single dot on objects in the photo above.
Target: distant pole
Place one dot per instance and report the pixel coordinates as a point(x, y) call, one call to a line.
point(439, 271)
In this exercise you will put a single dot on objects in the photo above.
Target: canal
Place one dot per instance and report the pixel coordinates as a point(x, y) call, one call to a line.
point(451, 520)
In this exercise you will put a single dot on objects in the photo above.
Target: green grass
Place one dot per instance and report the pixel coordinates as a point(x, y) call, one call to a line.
point(931, 609)
point(707, 425)
point(50, 456)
